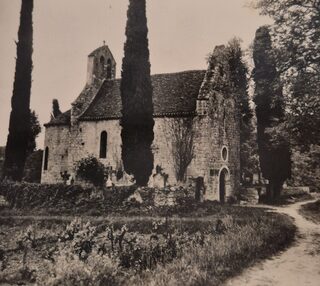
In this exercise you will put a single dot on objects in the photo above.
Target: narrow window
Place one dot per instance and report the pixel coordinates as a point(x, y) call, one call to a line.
point(46, 158)
point(109, 69)
point(102, 61)
point(103, 144)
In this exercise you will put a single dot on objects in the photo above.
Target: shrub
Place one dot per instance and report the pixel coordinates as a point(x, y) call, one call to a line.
point(30, 195)
point(32, 169)
point(118, 195)
point(91, 170)
point(70, 270)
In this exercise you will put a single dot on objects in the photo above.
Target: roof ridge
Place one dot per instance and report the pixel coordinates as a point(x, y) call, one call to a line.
point(168, 73)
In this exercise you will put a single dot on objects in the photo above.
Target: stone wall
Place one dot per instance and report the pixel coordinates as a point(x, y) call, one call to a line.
point(215, 128)
point(69, 145)
point(57, 141)
point(85, 141)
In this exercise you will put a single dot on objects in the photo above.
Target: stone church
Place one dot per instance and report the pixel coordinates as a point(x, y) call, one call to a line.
point(196, 131)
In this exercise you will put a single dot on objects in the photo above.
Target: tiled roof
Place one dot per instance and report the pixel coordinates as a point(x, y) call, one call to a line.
point(62, 119)
point(173, 95)
point(85, 98)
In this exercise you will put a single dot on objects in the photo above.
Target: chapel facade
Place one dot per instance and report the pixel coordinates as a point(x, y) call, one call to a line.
point(188, 113)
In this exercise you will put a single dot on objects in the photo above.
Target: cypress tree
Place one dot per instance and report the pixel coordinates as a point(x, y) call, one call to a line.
point(19, 126)
point(274, 155)
point(136, 95)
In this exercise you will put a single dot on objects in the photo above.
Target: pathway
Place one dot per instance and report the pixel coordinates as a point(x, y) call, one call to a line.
point(299, 265)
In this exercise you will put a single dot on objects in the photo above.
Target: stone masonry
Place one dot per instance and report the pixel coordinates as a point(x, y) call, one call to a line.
point(183, 96)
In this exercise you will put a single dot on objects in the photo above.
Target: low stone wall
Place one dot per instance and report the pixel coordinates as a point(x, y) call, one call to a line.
point(162, 197)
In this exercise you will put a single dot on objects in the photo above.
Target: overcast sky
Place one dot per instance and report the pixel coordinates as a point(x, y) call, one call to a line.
point(181, 34)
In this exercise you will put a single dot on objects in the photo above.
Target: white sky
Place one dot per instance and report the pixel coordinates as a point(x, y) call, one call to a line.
point(181, 34)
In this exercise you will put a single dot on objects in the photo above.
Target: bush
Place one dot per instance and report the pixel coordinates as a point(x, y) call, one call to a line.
point(91, 170)
point(119, 253)
point(30, 195)
point(118, 195)
point(32, 169)
point(311, 211)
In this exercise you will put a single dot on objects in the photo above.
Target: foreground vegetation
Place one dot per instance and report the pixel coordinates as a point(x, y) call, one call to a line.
point(311, 211)
point(122, 241)
point(140, 251)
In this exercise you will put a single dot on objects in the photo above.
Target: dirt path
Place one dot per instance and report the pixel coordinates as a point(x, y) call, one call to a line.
point(299, 265)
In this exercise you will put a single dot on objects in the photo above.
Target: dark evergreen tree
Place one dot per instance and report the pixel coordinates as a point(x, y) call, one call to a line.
point(239, 85)
point(136, 94)
point(19, 126)
point(55, 108)
point(274, 151)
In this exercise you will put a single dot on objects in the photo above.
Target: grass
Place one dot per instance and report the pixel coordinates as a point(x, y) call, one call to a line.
point(235, 237)
point(186, 244)
point(221, 258)
point(311, 211)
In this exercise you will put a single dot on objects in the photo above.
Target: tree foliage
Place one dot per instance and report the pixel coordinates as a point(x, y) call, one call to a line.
point(136, 94)
point(19, 126)
point(303, 121)
point(274, 152)
point(32, 169)
point(230, 77)
point(239, 85)
point(296, 32)
point(182, 144)
point(306, 168)
point(55, 108)
point(91, 170)
point(35, 129)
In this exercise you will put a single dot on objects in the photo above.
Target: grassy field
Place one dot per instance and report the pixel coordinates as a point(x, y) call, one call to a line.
point(192, 250)
point(311, 211)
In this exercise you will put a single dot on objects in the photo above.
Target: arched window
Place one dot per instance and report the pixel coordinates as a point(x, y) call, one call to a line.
point(109, 69)
point(46, 158)
point(102, 62)
point(103, 144)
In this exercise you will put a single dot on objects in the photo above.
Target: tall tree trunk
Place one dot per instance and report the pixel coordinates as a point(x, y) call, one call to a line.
point(19, 126)
point(274, 190)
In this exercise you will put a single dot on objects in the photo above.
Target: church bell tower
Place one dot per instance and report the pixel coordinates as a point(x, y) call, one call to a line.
point(101, 65)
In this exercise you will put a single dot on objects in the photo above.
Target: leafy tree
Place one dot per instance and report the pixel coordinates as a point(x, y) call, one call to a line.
point(182, 139)
point(296, 31)
point(306, 168)
point(304, 104)
point(274, 152)
point(35, 129)
point(19, 127)
point(55, 108)
point(239, 85)
point(136, 94)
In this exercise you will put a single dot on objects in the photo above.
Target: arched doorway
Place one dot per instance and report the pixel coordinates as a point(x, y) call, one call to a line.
point(222, 184)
